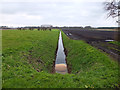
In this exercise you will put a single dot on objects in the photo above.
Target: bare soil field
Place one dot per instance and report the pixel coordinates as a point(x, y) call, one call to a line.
point(97, 38)
point(107, 29)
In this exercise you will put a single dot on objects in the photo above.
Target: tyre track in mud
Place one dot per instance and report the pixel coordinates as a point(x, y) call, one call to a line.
point(96, 39)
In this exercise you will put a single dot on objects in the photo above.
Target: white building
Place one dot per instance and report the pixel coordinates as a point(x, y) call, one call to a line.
point(46, 26)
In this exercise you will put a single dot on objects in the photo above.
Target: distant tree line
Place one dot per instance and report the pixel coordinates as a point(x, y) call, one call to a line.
point(4, 27)
point(32, 28)
point(107, 27)
point(65, 27)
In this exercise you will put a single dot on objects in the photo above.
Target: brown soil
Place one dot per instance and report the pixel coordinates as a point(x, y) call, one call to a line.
point(97, 39)
point(34, 61)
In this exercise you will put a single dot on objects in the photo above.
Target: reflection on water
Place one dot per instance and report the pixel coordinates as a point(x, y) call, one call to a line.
point(60, 64)
point(61, 68)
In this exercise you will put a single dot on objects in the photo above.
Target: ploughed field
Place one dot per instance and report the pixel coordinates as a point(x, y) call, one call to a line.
point(28, 62)
point(97, 38)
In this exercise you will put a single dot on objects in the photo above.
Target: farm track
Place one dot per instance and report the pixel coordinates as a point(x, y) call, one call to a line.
point(97, 40)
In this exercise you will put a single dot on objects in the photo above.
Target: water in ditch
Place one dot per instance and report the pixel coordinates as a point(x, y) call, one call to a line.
point(60, 64)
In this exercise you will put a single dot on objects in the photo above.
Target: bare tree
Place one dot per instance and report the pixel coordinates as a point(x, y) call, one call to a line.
point(113, 9)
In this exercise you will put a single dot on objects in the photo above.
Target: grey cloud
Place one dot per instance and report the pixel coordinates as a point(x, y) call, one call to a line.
point(68, 13)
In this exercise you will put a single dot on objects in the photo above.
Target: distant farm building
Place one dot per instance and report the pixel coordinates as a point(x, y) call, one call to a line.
point(46, 26)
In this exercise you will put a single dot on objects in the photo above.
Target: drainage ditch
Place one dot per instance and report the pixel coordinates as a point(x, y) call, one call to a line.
point(60, 63)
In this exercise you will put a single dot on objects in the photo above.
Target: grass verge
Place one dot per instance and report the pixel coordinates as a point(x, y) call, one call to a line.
point(91, 67)
point(27, 52)
point(28, 58)
point(115, 43)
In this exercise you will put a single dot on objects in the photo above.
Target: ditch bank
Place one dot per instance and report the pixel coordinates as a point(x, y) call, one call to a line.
point(69, 66)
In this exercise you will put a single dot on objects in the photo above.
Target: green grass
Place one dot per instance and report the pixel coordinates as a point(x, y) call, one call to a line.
point(34, 47)
point(90, 65)
point(27, 52)
point(115, 42)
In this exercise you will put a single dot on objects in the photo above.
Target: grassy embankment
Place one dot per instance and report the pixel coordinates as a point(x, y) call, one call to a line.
point(27, 52)
point(115, 43)
point(28, 58)
point(115, 46)
point(92, 68)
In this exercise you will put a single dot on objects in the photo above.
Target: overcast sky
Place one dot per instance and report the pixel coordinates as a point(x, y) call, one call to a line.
point(54, 12)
